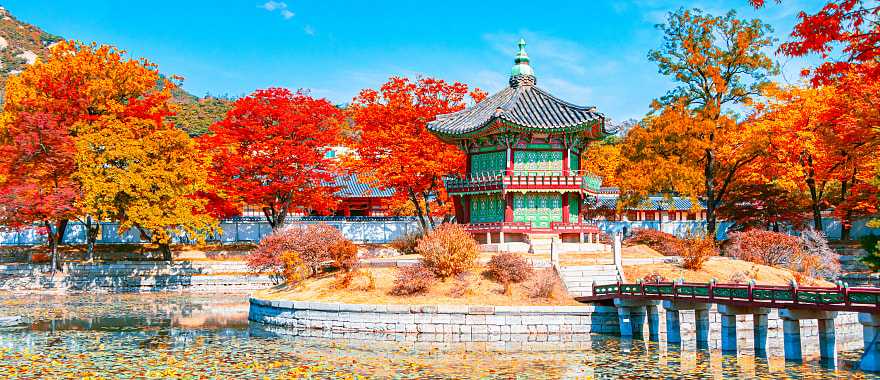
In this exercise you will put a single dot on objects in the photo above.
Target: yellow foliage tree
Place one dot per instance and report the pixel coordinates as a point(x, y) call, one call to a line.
point(146, 175)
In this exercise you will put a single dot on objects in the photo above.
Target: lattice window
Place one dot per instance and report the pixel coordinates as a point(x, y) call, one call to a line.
point(488, 163)
point(487, 208)
point(537, 161)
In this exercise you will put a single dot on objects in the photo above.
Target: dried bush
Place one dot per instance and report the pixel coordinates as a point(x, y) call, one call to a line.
point(508, 268)
point(407, 244)
point(362, 280)
point(344, 255)
point(764, 247)
point(807, 256)
point(297, 249)
point(415, 279)
point(448, 250)
point(461, 288)
point(820, 261)
point(666, 244)
point(695, 250)
point(545, 285)
point(738, 277)
point(654, 277)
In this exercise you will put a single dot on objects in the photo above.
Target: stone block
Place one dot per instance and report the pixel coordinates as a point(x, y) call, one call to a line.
point(475, 319)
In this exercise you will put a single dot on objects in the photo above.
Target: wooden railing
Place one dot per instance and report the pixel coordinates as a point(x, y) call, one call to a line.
point(839, 298)
point(561, 227)
point(526, 179)
point(526, 227)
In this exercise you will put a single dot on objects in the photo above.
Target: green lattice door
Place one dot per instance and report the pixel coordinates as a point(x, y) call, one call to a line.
point(487, 208)
point(538, 208)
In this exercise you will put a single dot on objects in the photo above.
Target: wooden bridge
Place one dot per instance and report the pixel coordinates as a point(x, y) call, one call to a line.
point(635, 301)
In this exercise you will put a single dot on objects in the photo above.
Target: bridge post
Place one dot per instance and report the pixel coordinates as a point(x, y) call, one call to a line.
point(827, 341)
point(791, 332)
point(673, 321)
point(653, 323)
point(631, 316)
point(701, 319)
point(871, 327)
point(728, 326)
point(760, 325)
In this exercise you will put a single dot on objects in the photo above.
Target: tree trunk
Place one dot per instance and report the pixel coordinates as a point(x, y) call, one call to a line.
point(814, 195)
point(428, 210)
point(165, 248)
point(419, 212)
point(92, 230)
point(709, 171)
point(275, 218)
point(54, 237)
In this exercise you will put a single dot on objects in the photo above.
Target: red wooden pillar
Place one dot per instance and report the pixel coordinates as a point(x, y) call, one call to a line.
point(369, 207)
point(346, 210)
point(508, 209)
point(467, 169)
point(459, 208)
point(467, 208)
point(565, 218)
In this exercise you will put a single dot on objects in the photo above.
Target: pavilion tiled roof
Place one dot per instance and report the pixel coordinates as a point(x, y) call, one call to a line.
point(651, 203)
point(524, 105)
point(350, 187)
point(521, 105)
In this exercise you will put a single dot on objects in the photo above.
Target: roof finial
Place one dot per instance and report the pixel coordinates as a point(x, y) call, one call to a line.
point(521, 73)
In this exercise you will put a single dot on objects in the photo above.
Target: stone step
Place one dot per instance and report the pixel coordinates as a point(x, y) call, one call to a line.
point(588, 267)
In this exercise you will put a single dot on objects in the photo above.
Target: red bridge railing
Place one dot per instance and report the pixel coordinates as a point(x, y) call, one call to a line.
point(839, 298)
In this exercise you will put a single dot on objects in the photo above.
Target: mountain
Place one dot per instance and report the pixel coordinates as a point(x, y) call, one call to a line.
point(20, 45)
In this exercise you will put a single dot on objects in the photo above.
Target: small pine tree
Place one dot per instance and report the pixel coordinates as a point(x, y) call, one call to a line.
point(871, 245)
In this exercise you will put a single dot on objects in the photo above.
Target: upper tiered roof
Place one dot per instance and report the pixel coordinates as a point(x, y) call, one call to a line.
point(522, 105)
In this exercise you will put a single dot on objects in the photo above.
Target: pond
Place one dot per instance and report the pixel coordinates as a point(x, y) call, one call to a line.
point(198, 335)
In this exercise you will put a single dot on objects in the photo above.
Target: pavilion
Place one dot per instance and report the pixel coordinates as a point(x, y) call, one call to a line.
point(523, 148)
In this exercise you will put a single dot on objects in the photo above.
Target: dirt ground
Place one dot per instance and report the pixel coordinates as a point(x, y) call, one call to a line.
point(722, 269)
point(480, 291)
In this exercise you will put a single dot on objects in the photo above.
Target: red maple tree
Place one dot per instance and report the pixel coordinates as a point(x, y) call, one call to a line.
point(395, 148)
point(270, 151)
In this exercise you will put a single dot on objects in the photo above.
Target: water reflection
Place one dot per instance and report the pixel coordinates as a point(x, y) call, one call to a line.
point(202, 335)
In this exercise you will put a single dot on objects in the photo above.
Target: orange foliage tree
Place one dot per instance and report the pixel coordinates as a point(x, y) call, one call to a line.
point(270, 150)
point(692, 145)
point(395, 148)
point(46, 105)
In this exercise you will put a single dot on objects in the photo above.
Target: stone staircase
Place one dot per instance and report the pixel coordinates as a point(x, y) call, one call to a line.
point(578, 280)
point(541, 243)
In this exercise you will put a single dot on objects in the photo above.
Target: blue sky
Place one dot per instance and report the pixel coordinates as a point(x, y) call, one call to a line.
point(586, 52)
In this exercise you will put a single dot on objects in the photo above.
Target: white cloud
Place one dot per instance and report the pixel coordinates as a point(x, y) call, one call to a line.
point(308, 29)
point(279, 6)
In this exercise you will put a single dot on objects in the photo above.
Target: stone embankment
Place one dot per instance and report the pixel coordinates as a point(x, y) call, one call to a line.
point(507, 326)
point(135, 276)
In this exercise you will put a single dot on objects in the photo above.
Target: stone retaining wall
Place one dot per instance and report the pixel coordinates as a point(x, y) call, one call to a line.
point(135, 276)
point(438, 323)
point(505, 327)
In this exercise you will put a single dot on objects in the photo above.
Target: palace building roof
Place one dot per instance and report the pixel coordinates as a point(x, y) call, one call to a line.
point(522, 106)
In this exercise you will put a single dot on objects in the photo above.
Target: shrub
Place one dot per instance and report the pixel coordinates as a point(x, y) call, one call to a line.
point(695, 250)
point(300, 251)
point(407, 244)
point(666, 244)
point(871, 245)
point(546, 285)
point(461, 288)
point(415, 279)
point(362, 280)
point(508, 268)
point(654, 277)
point(738, 277)
point(448, 250)
point(344, 255)
point(808, 255)
point(820, 261)
point(764, 247)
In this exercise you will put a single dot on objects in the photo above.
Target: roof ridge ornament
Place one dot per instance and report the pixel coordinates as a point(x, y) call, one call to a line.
point(521, 74)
